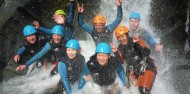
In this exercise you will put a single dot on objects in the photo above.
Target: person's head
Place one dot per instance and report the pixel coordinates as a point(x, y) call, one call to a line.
point(103, 51)
point(57, 33)
point(29, 33)
point(60, 13)
point(134, 21)
point(99, 23)
point(121, 33)
point(72, 48)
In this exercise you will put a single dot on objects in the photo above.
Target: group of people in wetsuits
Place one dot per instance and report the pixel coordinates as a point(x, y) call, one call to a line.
point(108, 60)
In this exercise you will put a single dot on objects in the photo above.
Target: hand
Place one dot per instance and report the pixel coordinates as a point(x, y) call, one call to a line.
point(136, 38)
point(118, 2)
point(124, 88)
point(113, 47)
point(158, 47)
point(80, 8)
point(36, 24)
point(21, 67)
point(114, 88)
point(16, 58)
point(87, 78)
point(60, 19)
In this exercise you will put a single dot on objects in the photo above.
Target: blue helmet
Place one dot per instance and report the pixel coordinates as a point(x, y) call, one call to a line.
point(58, 29)
point(134, 15)
point(73, 44)
point(103, 48)
point(28, 30)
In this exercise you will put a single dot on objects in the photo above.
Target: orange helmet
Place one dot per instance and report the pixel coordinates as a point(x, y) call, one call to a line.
point(121, 30)
point(99, 19)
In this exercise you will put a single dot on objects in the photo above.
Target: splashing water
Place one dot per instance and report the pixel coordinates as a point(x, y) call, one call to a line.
point(39, 82)
point(109, 9)
point(187, 48)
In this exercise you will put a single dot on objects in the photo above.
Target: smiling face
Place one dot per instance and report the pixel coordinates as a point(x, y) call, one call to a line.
point(71, 53)
point(102, 58)
point(123, 39)
point(31, 38)
point(56, 38)
point(99, 27)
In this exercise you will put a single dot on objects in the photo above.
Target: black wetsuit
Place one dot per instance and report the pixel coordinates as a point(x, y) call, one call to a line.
point(103, 75)
point(136, 58)
point(32, 49)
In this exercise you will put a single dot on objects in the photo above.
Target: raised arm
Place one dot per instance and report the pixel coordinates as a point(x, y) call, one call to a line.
point(117, 21)
point(46, 30)
point(83, 24)
point(43, 29)
point(71, 12)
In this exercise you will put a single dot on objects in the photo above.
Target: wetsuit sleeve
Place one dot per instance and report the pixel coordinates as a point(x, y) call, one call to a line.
point(63, 74)
point(150, 40)
point(71, 13)
point(82, 81)
point(119, 56)
point(84, 25)
point(21, 50)
point(117, 21)
point(39, 55)
point(121, 74)
point(45, 30)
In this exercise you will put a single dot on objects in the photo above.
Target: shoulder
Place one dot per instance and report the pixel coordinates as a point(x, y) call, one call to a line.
point(144, 31)
point(92, 59)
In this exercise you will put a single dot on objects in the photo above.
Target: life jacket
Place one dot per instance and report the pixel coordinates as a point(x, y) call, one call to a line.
point(74, 67)
point(58, 50)
point(129, 54)
point(104, 36)
point(32, 49)
point(103, 75)
point(134, 53)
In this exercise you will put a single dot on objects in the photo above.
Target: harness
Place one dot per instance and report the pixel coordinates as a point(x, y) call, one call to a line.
point(74, 68)
point(58, 50)
point(105, 36)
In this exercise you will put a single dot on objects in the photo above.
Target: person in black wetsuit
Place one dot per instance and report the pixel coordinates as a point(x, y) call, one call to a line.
point(33, 44)
point(136, 54)
point(104, 67)
point(72, 68)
